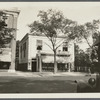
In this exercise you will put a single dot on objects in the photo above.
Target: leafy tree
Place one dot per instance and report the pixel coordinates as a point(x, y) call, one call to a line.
point(52, 23)
point(87, 30)
point(82, 59)
point(5, 33)
point(84, 32)
point(17, 49)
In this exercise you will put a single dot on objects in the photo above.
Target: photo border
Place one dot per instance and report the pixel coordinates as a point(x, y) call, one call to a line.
point(48, 97)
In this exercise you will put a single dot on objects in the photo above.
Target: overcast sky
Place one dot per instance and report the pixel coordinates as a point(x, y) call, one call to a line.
point(78, 11)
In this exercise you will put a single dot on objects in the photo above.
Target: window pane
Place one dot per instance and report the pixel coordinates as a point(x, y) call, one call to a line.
point(39, 44)
point(65, 48)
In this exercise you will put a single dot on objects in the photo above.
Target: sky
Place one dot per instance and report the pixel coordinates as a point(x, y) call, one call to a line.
point(81, 12)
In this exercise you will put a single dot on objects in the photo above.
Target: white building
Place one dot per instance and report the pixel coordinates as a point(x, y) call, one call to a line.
point(35, 52)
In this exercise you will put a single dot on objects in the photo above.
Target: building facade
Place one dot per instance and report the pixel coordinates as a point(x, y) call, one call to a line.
point(36, 55)
point(7, 53)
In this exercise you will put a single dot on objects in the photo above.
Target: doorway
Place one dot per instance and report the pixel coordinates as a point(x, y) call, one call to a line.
point(34, 66)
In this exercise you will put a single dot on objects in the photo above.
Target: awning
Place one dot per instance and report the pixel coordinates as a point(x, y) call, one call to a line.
point(59, 59)
point(5, 58)
point(5, 55)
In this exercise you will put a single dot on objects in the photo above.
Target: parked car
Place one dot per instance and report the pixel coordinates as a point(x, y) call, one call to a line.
point(86, 87)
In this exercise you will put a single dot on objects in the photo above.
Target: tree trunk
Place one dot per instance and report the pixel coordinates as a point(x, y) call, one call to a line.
point(55, 62)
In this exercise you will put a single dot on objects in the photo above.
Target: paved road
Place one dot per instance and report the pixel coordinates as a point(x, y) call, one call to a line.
point(27, 85)
point(39, 83)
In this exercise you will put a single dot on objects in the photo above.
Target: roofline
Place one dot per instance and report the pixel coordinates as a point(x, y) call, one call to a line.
point(38, 35)
point(45, 36)
point(24, 37)
point(13, 11)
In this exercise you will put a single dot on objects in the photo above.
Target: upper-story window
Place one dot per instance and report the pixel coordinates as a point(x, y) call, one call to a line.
point(65, 46)
point(39, 44)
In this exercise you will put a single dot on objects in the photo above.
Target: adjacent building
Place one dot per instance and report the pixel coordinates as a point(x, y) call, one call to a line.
point(36, 55)
point(7, 52)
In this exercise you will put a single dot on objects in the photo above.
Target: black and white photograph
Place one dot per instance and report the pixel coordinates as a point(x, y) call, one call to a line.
point(50, 48)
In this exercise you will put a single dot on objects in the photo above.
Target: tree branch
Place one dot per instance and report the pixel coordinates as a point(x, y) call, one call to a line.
point(58, 46)
point(48, 45)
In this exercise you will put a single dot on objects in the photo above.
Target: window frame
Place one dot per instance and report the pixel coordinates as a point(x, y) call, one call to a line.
point(39, 43)
point(65, 46)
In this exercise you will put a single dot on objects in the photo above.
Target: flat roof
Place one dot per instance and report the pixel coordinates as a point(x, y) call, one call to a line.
point(33, 34)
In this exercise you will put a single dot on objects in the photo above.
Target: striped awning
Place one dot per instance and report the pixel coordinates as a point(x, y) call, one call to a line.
point(5, 55)
point(59, 59)
point(5, 58)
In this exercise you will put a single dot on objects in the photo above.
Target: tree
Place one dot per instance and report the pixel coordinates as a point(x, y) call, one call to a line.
point(52, 23)
point(82, 59)
point(84, 32)
point(5, 33)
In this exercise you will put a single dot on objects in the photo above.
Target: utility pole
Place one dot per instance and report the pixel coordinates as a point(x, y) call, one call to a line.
point(12, 23)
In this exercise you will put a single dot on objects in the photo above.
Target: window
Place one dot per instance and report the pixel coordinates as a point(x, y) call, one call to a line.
point(24, 48)
point(21, 51)
point(39, 44)
point(65, 46)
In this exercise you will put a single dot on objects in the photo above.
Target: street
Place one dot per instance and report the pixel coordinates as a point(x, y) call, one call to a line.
point(19, 83)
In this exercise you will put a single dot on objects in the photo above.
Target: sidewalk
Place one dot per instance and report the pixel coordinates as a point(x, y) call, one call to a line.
point(43, 74)
point(46, 74)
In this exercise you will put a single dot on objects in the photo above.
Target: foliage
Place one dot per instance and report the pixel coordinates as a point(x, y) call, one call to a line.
point(5, 33)
point(52, 24)
point(17, 49)
point(84, 32)
point(82, 59)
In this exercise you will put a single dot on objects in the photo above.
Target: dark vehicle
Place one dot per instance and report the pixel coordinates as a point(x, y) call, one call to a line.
point(93, 85)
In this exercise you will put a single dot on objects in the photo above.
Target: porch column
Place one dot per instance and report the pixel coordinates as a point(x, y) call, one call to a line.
point(68, 67)
point(29, 66)
point(39, 62)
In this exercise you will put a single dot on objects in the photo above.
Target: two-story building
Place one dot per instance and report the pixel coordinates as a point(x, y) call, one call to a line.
point(35, 52)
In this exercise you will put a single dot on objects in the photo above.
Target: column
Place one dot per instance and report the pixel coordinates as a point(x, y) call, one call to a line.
point(39, 61)
point(14, 15)
point(68, 67)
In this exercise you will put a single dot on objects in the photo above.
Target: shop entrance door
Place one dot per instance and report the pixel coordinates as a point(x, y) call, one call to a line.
point(34, 66)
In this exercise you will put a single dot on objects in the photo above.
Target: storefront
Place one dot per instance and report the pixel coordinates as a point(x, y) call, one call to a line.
point(63, 62)
point(5, 58)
